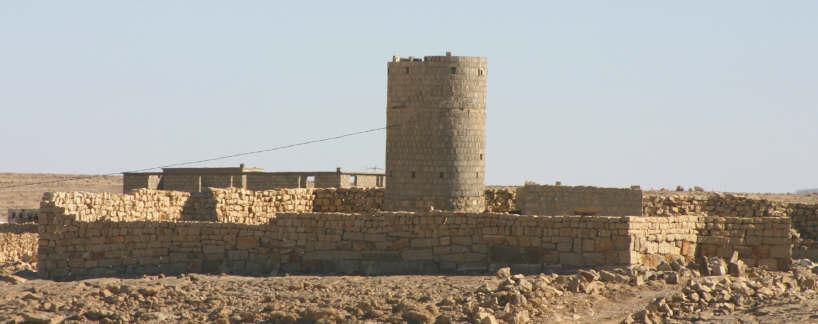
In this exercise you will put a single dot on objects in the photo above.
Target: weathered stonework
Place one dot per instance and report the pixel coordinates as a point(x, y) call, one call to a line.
point(579, 200)
point(435, 140)
point(759, 241)
point(804, 217)
point(250, 236)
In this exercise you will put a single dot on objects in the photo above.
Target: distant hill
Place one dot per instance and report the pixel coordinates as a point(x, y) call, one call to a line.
point(807, 191)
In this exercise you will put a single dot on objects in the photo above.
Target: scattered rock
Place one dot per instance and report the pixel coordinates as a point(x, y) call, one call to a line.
point(504, 273)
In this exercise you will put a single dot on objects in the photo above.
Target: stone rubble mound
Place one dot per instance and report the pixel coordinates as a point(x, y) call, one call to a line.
point(726, 286)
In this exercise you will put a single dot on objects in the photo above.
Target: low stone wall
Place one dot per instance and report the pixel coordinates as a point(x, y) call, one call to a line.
point(143, 204)
point(379, 243)
point(18, 242)
point(258, 207)
point(804, 217)
point(400, 243)
point(567, 200)
point(711, 203)
point(759, 240)
point(348, 200)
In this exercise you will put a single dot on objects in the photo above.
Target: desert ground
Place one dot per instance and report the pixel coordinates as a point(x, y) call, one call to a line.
point(676, 292)
point(29, 196)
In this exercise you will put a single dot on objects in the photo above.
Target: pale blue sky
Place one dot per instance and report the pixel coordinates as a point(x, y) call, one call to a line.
point(722, 94)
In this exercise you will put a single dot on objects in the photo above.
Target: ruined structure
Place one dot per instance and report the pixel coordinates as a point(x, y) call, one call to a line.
point(435, 140)
point(93, 234)
point(435, 160)
point(198, 179)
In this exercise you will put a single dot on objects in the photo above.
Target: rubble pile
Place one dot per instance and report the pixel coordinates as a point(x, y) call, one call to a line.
point(727, 286)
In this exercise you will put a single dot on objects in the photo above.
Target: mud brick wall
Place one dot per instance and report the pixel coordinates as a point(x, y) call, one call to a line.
point(18, 242)
point(501, 200)
point(759, 240)
point(567, 200)
point(348, 200)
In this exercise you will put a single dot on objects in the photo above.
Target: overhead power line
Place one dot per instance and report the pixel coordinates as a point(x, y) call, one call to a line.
point(222, 157)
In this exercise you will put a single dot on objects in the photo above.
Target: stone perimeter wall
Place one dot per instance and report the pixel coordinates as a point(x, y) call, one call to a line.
point(579, 200)
point(760, 241)
point(804, 217)
point(83, 240)
point(18, 242)
point(219, 205)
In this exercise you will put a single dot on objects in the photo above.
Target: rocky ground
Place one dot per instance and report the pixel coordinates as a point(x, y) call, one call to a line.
point(720, 291)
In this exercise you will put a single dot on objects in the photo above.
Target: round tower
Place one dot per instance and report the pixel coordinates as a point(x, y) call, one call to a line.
point(435, 140)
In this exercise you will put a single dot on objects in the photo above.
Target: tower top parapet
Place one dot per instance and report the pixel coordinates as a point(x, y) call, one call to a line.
point(439, 58)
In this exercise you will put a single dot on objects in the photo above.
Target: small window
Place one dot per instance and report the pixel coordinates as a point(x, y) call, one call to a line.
point(477, 174)
point(453, 70)
point(441, 175)
point(480, 72)
point(413, 174)
point(407, 70)
point(481, 157)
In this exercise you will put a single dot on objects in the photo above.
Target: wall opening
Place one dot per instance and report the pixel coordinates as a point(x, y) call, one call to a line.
point(413, 174)
point(407, 70)
point(452, 70)
point(480, 72)
point(441, 175)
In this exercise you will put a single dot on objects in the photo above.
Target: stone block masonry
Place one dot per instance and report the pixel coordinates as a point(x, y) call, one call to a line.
point(88, 235)
point(435, 142)
point(18, 242)
point(804, 217)
point(760, 241)
point(567, 200)
point(379, 243)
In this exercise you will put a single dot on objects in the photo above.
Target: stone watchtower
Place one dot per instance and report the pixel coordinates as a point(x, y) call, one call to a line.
point(435, 140)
